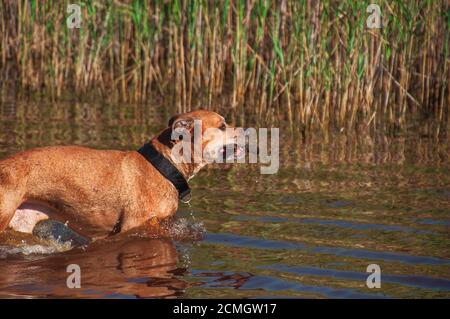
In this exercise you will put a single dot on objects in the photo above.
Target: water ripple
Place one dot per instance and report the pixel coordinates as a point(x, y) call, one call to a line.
point(406, 280)
point(252, 242)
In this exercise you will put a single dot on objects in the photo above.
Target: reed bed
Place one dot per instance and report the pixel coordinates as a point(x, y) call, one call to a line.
point(312, 64)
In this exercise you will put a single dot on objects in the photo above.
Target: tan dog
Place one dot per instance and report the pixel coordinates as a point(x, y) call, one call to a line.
point(98, 192)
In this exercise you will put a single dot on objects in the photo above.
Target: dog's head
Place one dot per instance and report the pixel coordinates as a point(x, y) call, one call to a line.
point(201, 137)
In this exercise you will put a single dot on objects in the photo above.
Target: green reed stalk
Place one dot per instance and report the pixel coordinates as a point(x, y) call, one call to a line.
point(314, 64)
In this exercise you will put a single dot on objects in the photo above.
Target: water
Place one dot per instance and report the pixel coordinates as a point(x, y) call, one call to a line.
point(337, 204)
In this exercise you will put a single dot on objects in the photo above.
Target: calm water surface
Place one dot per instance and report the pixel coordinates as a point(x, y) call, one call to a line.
point(336, 205)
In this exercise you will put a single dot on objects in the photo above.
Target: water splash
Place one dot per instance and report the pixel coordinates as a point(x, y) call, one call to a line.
point(183, 229)
point(25, 249)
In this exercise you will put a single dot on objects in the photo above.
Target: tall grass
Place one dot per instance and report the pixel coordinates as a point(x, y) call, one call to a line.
point(314, 64)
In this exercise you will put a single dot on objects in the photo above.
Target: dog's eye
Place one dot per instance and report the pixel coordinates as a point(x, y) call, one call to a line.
point(223, 127)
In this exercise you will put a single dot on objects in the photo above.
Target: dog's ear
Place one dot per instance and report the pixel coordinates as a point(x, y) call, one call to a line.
point(181, 123)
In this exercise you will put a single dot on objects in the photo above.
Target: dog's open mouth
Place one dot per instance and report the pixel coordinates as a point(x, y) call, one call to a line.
point(232, 151)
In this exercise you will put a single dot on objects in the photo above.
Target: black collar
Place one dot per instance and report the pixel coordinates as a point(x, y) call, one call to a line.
point(168, 170)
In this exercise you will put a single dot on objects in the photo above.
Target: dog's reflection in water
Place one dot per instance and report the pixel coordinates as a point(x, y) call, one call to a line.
point(122, 266)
